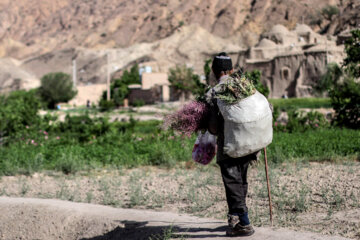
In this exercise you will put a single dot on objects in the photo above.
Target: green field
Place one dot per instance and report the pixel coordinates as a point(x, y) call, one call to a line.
point(144, 143)
point(291, 103)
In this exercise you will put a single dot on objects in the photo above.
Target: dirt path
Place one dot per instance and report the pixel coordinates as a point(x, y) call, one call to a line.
point(29, 218)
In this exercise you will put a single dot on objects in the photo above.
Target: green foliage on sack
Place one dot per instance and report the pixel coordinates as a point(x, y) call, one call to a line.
point(55, 88)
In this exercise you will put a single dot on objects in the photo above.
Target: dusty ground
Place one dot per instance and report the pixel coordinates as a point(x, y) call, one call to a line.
point(55, 219)
point(316, 197)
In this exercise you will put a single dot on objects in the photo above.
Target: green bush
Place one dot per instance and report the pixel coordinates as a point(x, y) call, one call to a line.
point(329, 11)
point(18, 111)
point(352, 49)
point(185, 80)
point(343, 85)
point(83, 128)
point(255, 77)
point(138, 103)
point(119, 89)
point(299, 121)
point(106, 105)
point(345, 99)
point(55, 88)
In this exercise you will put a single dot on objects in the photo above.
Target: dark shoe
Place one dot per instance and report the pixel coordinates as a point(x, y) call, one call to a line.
point(232, 220)
point(240, 231)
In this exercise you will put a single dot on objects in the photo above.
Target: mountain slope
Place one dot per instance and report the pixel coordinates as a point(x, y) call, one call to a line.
point(32, 27)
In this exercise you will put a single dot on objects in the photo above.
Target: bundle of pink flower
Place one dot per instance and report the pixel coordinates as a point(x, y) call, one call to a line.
point(190, 119)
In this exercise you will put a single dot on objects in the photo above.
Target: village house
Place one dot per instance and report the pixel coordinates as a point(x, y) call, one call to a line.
point(154, 87)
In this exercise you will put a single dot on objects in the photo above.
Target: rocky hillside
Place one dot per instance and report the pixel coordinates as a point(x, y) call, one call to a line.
point(32, 27)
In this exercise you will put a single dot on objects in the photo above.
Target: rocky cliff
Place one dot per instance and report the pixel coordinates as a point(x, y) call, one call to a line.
point(32, 27)
point(45, 36)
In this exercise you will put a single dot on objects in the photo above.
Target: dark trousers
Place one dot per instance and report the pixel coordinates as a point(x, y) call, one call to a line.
point(234, 175)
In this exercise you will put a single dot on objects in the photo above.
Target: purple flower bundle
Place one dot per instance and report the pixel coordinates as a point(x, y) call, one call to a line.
point(188, 120)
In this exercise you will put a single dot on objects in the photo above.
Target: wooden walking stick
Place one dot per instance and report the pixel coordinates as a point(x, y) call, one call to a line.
point(268, 186)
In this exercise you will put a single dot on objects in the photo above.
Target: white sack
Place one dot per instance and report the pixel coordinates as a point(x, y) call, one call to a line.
point(247, 125)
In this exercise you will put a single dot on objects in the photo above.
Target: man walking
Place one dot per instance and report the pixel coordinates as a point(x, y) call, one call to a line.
point(233, 170)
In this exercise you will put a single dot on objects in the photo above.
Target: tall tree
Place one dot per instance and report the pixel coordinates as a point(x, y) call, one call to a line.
point(56, 87)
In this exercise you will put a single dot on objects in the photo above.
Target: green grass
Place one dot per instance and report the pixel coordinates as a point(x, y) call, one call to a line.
point(146, 144)
point(285, 104)
point(315, 145)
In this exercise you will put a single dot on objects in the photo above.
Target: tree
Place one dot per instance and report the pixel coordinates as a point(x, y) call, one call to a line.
point(131, 77)
point(352, 49)
point(119, 88)
point(186, 81)
point(56, 87)
point(18, 110)
point(329, 11)
point(343, 85)
point(255, 77)
point(330, 79)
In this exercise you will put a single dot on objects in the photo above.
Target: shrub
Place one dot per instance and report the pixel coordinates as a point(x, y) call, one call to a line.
point(299, 121)
point(186, 81)
point(119, 89)
point(329, 11)
point(18, 111)
point(352, 49)
point(255, 77)
point(344, 87)
point(345, 99)
point(330, 79)
point(56, 87)
point(83, 128)
point(138, 103)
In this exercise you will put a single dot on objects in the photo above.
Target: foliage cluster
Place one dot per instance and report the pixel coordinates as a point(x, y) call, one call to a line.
point(299, 121)
point(55, 88)
point(18, 110)
point(186, 81)
point(236, 88)
point(119, 89)
point(329, 11)
point(343, 85)
point(255, 77)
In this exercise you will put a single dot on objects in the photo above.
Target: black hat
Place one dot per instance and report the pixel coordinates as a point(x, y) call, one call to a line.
point(221, 63)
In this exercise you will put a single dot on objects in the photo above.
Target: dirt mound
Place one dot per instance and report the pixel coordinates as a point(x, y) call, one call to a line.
point(23, 218)
point(13, 77)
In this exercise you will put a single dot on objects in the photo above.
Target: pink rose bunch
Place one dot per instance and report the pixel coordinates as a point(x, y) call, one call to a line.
point(190, 119)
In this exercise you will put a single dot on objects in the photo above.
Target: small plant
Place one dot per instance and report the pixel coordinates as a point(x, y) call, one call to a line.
point(329, 11)
point(138, 103)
